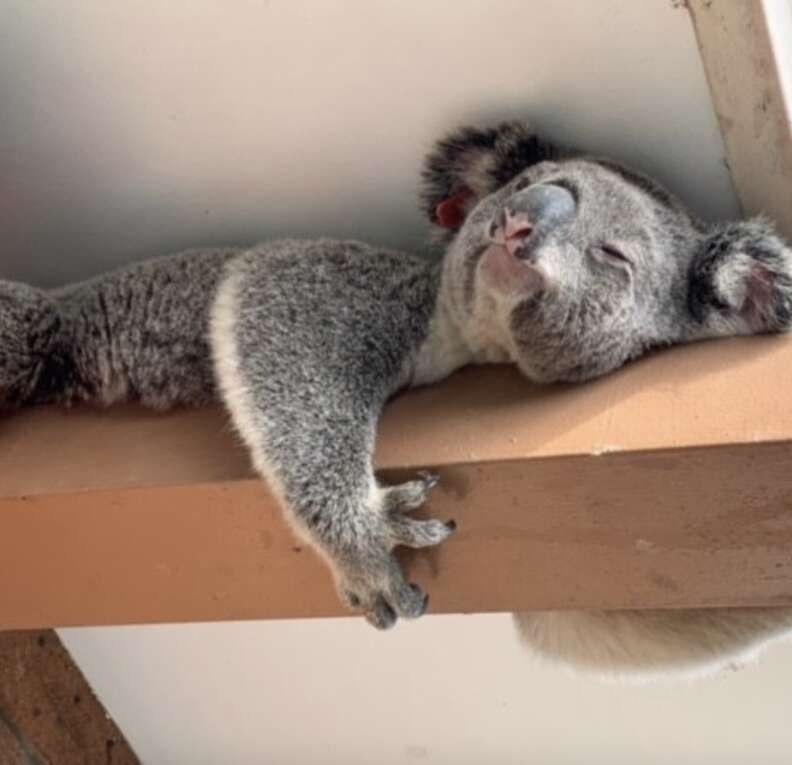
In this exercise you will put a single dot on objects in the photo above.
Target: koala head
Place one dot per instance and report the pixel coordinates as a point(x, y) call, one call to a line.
point(29, 329)
point(573, 264)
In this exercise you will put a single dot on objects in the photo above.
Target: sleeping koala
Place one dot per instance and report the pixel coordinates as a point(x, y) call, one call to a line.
point(566, 265)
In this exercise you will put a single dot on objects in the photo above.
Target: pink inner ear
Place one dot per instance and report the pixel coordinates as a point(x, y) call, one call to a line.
point(451, 212)
point(759, 298)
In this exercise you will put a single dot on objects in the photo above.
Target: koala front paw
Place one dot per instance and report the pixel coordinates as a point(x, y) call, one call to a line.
point(368, 576)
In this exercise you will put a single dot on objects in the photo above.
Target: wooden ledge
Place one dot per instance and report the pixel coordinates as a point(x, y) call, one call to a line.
point(667, 484)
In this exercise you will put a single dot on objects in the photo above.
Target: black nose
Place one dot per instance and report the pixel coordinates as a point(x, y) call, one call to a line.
point(545, 205)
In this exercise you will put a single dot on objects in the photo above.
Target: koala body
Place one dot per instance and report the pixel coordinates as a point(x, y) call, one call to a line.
point(139, 333)
point(566, 265)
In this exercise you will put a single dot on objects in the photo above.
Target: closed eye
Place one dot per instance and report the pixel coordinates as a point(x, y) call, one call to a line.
point(614, 253)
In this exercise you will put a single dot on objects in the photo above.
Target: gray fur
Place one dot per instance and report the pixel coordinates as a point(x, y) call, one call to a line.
point(566, 265)
point(317, 365)
point(588, 313)
point(137, 333)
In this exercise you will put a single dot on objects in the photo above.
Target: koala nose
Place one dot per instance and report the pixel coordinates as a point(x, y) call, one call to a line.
point(512, 230)
point(545, 204)
point(516, 225)
point(534, 210)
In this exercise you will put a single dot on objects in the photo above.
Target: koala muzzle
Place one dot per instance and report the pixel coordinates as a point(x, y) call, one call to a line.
point(529, 214)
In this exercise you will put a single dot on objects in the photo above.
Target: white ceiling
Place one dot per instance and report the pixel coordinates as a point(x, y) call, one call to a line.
point(133, 129)
point(446, 690)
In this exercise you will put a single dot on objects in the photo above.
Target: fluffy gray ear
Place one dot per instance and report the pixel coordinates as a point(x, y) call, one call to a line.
point(740, 280)
point(472, 162)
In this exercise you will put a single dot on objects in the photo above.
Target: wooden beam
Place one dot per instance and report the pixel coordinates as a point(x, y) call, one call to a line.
point(664, 485)
point(746, 49)
point(48, 712)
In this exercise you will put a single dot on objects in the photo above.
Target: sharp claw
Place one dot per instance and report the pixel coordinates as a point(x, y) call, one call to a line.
point(424, 598)
point(430, 479)
point(382, 616)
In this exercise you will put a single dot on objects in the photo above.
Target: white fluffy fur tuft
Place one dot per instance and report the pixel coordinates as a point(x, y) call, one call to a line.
point(652, 645)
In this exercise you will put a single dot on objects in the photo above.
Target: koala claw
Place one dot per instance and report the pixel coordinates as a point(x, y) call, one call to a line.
point(383, 606)
point(412, 604)
point(370, 577)
point(411, 533)
point(381, 615)
point(412, 494)
point(430, 479)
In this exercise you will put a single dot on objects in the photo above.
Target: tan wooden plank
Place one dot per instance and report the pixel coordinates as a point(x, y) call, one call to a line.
point(708, 394)
point(748, 61)
point(665, 485)
point(680, 528)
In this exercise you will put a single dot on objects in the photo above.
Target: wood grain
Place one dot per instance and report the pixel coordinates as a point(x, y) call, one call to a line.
point(665, 485)
point(48, 713)
point(678, 528)
point(748, 61)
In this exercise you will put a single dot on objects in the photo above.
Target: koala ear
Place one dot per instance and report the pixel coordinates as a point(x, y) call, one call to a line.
point(740, 280)
point(471, 163)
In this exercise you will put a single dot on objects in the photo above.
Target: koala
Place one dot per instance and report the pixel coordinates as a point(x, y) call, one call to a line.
point(564, 264)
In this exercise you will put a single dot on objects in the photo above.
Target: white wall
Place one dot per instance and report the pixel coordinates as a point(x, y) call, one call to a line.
point(447, 690)
point(129, 129)
point(779, 21)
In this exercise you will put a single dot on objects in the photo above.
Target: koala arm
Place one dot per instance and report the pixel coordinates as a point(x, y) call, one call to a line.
point(308, 343)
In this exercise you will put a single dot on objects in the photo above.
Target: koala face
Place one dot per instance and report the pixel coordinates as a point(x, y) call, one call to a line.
point(577, 265)
point(574, 265)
